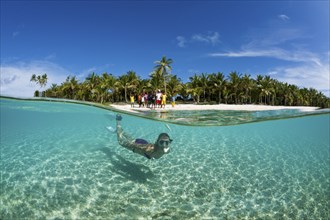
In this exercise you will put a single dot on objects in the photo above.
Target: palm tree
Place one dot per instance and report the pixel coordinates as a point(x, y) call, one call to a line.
point(234, 82)
point(127, 81)
point(247, 86)
point(174, 85)
point(259, 87)
point(52, 91)
point(184, 91)
point(107, 82)
point(194, 87)
point(143, 85)
point(73, 84)
point(268, 88)
point(92, 84)
point(163, 68)
point(41, 80)
point(133, 80)
point(83, 91)
point(155, 80)
point(217, 82)
point(295, 93)
point(122, 83)
point(226, 93)
point(313, 96)
point(203, 79)
point(33, 78)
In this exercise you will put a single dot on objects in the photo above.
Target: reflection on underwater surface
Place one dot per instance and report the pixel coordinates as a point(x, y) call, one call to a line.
point(58, 160)
point(226, 117)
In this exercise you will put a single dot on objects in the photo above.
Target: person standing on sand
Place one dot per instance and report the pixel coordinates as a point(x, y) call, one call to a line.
point(142, 100)
point(132, 100)
point(141, 146)
point(139, 100)
point(173, 101)
point(146, 99)
point(153, 100)
point(158, 98)
point(149, 99)
point(163, 102)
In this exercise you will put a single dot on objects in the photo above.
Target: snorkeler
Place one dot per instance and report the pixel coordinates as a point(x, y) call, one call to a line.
point(141, 146)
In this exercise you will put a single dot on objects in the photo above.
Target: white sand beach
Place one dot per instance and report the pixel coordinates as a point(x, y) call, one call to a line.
point(223, 107)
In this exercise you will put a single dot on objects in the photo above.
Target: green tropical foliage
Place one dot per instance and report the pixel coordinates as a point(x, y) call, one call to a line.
point(163, 69)
point(41, 80)
point(213, 88)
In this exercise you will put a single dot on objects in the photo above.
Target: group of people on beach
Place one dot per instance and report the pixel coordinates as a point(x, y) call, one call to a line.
point(150, 100)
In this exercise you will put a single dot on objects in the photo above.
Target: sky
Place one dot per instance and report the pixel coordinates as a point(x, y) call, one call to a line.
point(287, 40)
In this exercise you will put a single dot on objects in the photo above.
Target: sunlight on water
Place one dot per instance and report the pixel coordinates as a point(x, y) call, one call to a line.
point(59, 160)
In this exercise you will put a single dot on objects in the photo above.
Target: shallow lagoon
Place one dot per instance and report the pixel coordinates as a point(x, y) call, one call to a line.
point(59, 161)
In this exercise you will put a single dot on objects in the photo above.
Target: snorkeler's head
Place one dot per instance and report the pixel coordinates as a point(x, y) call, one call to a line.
point(164, 142)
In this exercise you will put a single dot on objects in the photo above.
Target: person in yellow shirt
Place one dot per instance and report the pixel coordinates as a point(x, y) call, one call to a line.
point(163, 100)
point(132, 100)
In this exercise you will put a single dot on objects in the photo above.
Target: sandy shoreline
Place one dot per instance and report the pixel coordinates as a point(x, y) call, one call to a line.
point(224, 107)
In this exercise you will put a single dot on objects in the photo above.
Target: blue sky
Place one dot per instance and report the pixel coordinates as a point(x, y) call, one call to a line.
point(288, 40)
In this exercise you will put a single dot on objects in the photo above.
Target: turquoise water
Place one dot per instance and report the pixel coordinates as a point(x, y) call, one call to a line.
point(58, 161)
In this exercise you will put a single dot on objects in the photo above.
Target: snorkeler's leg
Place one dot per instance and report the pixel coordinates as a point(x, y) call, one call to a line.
point(123, 138)
point(121, 135)
point(118, 126)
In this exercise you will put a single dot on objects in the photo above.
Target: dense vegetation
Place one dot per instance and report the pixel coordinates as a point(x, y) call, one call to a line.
point(212, 88)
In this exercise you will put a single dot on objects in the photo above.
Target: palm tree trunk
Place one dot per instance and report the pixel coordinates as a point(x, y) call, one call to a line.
point(219, 97)
point(204, 96)
point(125, 94)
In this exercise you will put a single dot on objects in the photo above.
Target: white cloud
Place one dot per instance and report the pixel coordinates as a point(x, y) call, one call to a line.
point(181, 41)
point(306, 75)
point(95, 69)
point(274, 37)
point(18, 30)
point(15, 77)
point(296, 56)
point(193, 71)
point(50, 57)
point(212, 38)
point(308, 69)
point(16, 33)
point(283, 17)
